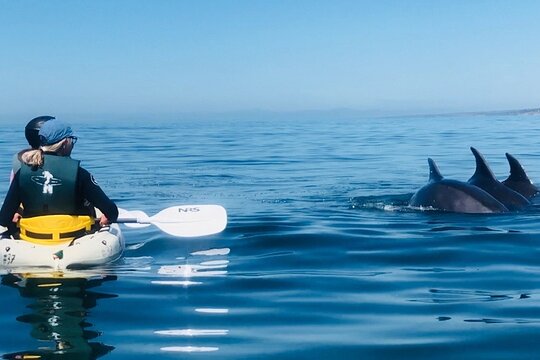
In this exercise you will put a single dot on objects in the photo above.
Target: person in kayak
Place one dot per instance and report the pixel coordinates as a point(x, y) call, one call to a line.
point(31, 132)
point(51, 183)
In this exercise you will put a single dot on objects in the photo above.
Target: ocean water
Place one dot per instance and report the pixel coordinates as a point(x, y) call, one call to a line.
point(321, 257)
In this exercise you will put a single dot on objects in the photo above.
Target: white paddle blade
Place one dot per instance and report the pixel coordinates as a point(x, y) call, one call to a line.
point(191, 220)
point(182, 221)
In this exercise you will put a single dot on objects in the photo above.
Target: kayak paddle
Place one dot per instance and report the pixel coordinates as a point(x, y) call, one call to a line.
point(182, 221)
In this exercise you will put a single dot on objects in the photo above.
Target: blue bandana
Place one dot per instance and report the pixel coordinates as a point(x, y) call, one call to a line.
point(53, 131)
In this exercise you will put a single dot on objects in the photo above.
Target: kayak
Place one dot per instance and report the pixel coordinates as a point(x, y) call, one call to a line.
point(101, 247)
point(60, 242)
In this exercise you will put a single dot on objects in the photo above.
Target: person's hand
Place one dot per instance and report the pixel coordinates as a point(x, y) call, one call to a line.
point(16, 217)
point(103, 221)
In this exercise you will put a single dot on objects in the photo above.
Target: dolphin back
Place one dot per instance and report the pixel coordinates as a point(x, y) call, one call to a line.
point(434, 173)
point(456, 196)
point(518, 179)
point(483, 178)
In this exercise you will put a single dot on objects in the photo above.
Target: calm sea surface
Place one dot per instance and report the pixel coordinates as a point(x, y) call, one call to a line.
point(321, 257)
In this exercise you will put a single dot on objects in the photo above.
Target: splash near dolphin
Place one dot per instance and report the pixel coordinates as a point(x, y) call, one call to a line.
point(481, 194)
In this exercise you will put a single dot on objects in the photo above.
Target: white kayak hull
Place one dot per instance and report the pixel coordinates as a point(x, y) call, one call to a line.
point(101, 247)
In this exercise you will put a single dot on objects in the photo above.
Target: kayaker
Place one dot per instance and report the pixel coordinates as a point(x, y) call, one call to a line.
point(51, 183)
point(31, 132)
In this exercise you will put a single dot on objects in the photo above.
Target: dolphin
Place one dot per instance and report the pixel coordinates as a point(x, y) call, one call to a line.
point(518, 179)
point(483, 178)
point(454, 196)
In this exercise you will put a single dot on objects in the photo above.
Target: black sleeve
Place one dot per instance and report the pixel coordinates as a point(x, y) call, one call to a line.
point(11, 203)
point(93, 193)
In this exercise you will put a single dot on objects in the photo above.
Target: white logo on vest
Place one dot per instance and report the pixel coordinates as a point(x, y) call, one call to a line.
point(47, 180)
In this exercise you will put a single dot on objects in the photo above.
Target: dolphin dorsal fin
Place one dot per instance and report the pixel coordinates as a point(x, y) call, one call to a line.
point(434, 173)
point(482, 168)
point(516, 170)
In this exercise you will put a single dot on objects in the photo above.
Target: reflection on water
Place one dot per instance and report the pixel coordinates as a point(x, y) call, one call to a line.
point(201, 265)
point(200, 269)
point(57, 314)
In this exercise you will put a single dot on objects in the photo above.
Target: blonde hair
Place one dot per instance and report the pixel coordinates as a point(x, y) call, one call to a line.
point(34, 157)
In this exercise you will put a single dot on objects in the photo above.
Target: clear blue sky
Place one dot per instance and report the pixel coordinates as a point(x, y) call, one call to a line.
point(121, 56)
